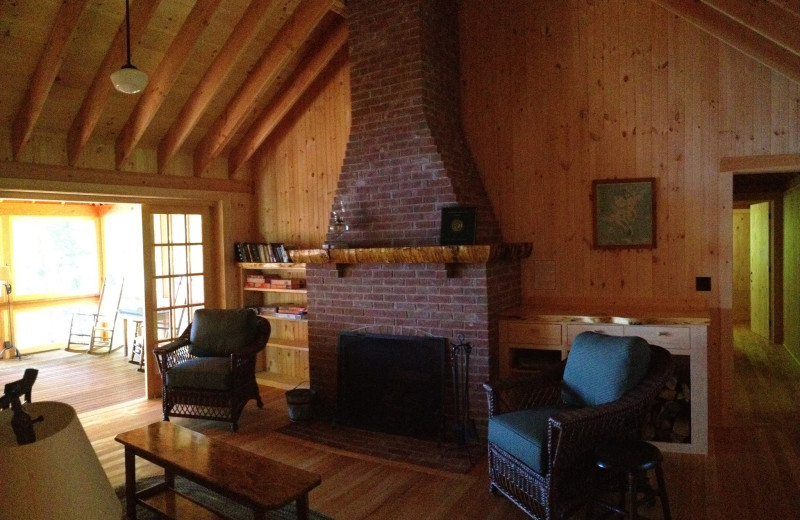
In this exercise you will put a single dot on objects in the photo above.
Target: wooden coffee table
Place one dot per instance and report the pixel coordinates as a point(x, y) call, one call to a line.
point(245, 477)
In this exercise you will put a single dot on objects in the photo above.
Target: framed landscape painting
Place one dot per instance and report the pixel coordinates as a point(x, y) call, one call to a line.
point(624, 213)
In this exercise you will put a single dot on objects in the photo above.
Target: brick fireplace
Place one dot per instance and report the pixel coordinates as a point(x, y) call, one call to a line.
point(406, 159)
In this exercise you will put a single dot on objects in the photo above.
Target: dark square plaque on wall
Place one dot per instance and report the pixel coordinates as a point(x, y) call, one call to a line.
point(458, 226)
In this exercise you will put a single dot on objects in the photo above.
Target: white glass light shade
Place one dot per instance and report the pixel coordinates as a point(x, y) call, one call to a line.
point(129, 79)
point(59, 475)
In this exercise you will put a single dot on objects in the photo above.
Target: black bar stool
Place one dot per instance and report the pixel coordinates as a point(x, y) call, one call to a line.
point(633, 459)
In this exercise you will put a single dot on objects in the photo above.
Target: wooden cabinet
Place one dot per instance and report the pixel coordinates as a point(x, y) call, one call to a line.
point(272, 288)
point(526, 344)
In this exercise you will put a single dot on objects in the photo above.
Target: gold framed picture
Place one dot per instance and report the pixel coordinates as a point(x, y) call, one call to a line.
point(624, 213)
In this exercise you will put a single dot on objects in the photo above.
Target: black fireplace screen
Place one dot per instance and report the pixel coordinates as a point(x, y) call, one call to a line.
point(392, 384)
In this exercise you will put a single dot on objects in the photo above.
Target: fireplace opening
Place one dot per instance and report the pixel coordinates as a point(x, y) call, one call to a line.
point(392, 384)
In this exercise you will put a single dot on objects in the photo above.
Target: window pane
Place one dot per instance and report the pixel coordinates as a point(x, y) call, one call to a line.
point(162, 292)
point(195, 229)
point(195, 259)
point(179, 291)
point(54, 255)
point(31, 333)
point(197, 289)
point(179, 259)
point(159, 229)
point(161, 260)
point(177, 229)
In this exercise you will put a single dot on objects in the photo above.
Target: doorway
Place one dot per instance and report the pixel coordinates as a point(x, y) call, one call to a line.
point(758, 254)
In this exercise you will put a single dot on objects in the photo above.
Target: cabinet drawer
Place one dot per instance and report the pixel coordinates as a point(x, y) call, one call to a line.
point(601, 328)
point(671, 338)
point(533, 333)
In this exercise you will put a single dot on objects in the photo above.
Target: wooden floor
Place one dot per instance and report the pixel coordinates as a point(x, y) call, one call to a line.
point(751, 472)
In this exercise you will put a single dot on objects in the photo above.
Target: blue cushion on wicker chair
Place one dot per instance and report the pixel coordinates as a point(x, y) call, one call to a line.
point(601, 368)
point(221, 332)
point(523, 434)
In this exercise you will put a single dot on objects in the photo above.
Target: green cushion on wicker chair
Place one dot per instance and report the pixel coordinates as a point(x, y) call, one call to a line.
point(206, 373)
point(601, 368)
point(221, 332)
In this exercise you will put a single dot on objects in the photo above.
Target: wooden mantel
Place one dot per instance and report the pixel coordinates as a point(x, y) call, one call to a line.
point(466, 254)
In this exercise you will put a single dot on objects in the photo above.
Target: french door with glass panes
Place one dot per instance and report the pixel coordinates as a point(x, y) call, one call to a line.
point(176, 264)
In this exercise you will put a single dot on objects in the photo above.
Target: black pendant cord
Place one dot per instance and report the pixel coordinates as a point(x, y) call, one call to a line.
point(128, 33)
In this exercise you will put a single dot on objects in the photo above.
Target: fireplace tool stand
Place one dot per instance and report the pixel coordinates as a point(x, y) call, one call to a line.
point(465, 432)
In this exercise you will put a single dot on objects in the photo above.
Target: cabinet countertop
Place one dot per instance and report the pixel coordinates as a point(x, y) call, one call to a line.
point(637, 318)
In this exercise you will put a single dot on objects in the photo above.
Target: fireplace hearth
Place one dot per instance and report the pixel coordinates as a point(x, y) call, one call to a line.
point(392, 384)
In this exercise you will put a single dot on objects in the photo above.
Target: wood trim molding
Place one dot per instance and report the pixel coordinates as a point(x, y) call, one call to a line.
point(33, 175)
point(760, 164)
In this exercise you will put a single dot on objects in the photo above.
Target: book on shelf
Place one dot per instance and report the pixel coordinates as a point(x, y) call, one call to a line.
point(261, 252)
point(291, 309)
point(287, 283)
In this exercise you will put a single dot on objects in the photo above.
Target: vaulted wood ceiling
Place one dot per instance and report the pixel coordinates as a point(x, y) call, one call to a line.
point(223, 73)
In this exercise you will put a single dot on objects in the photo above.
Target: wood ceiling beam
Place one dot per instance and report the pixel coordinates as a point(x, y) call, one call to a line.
point(212, 80)
point(97, 95)
point(770, 21)
point(66, 178)
point(285, 44)
point(339, 7)
point(792, 6)
point(736, 35)
point(45, 74)
point(266, 122)
point(164, 77)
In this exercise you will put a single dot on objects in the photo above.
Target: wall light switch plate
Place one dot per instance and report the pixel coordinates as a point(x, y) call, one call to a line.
point(703, 283)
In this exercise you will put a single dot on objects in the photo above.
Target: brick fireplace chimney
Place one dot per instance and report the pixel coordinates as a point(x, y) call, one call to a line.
point(406, 159)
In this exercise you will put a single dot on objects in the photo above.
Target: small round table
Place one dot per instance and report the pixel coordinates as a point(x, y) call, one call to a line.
point(633, 459)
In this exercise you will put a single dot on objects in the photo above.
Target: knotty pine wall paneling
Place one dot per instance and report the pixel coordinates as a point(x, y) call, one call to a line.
point(557, 94)
point(299, 168)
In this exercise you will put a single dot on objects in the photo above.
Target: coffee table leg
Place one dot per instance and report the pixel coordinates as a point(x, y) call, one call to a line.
point(302, 507)
point(130, 484)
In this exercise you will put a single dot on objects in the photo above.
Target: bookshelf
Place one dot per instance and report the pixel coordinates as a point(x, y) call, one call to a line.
point(277, 290)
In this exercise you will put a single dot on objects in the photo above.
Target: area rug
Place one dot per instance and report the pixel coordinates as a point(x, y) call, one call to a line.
point(443, 456)
point(208, 498)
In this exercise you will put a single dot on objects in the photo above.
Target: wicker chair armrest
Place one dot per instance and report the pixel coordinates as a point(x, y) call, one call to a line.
point(529, 391)
point(169, 355)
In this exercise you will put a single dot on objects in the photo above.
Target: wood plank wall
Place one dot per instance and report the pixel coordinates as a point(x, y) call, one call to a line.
point(557, 94)
point(299, 169)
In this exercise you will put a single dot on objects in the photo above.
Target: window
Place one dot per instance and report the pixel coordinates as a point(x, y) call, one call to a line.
point(54, 256)
point(179, 271)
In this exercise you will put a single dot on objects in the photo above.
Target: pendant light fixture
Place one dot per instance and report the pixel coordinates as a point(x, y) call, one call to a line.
point(129, 79)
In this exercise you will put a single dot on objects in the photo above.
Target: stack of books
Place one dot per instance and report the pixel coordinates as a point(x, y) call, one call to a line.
point(287, 311)
point(262, 282)
point(251, 252)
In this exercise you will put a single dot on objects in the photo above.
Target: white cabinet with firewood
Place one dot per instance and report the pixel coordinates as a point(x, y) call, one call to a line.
point(278, 292)
point(529, 342)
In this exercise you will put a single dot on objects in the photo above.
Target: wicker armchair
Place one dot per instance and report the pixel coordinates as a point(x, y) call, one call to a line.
point(209, 372)
point(542, 433)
